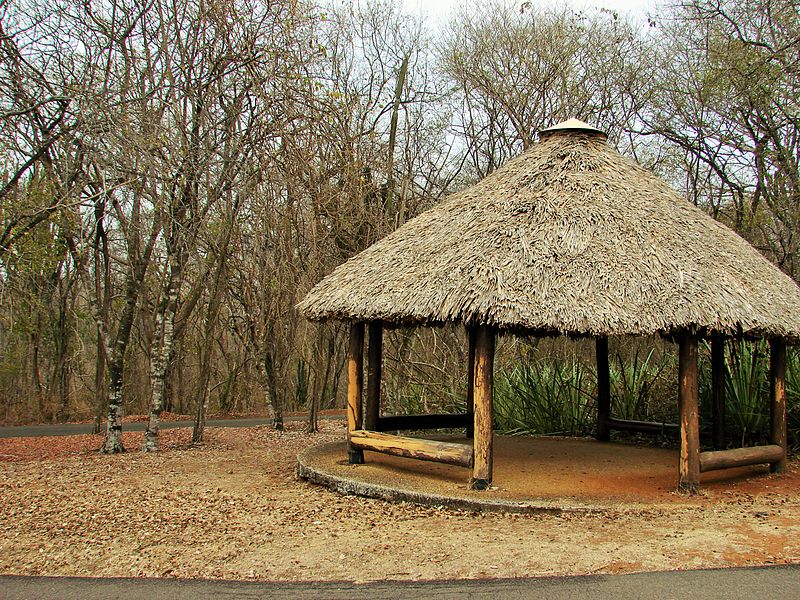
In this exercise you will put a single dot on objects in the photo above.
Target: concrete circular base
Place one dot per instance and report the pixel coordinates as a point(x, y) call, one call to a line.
point(531, 475)
point(346, 480)
point(313, 465)
point(431, 484)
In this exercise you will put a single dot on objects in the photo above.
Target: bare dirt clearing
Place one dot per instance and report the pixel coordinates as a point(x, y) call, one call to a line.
point(231, 508)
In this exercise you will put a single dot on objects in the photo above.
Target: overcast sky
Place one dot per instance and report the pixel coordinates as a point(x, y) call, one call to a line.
point(439, 10)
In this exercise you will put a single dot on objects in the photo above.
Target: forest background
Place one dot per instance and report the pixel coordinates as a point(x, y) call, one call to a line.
point(176, 174)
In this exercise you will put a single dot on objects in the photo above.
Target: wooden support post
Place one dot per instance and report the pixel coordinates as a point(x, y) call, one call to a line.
point(471, 332)
point(374, 359)
point(689, 466)
point(483, 438)
point(718, 390)
point(777, 386)
point(355, 385)
point(603, 432)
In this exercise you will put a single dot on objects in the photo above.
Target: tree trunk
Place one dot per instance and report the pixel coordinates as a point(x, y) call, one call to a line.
point(99, 385)
point(64, 376)
point(162, 351)
point(207, 355)
point(116, 369)
point(112, 444)
point(313, 406)
point(398, 94)
point(320, 383)
point(103, 297)
point(36, 372)
point(266, 375)
point(115, 352)
point(200, 417)
point(62, 354)
point(203, 392)
point(168, 394)
point(178, 383)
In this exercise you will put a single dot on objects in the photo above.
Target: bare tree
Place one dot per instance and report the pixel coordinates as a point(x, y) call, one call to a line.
point(37, 115)
point(728, 104)
point(519, 71)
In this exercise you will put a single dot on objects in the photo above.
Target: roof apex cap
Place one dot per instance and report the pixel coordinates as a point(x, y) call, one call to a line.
point(572, 125)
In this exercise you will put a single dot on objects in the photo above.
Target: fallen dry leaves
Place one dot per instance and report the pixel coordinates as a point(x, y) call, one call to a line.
point(231, 508)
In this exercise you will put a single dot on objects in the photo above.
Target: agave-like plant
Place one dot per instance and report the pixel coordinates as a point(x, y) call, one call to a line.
point(632, 380)
point(793, 395)
point(546, 397)
point(747, 389)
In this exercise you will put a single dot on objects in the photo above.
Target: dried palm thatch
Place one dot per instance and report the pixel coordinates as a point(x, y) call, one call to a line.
point(570, 237)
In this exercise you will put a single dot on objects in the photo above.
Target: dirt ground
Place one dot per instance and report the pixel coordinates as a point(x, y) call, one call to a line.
point(231, 508)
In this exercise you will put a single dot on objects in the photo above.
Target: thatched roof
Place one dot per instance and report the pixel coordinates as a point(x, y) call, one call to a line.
point(570, 237)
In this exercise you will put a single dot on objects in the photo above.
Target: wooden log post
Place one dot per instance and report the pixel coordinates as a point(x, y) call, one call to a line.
point(471, 331)
point(431, 450)
point(718, 390)
point(740, 457)
point(483, 407)
point(374, 367)
point(777, 386)
point(603, 432)
point(355, 385)
point(689, 464)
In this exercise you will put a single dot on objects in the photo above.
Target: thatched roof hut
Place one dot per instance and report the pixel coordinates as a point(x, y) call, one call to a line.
point(572, 238)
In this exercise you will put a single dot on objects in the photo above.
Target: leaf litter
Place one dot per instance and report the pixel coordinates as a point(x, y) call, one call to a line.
point(231, 508)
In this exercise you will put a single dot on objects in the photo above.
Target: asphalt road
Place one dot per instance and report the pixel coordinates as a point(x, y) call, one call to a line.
point(84, 428)
point(781, 582)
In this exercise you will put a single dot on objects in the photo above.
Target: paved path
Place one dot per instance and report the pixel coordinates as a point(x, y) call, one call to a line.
point(88, 428)
point(720, 584)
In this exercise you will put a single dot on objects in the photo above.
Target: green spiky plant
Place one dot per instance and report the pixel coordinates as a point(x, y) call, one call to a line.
point(747, 390)
point(793, 396)
point(632, 380)
point(546, 397)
